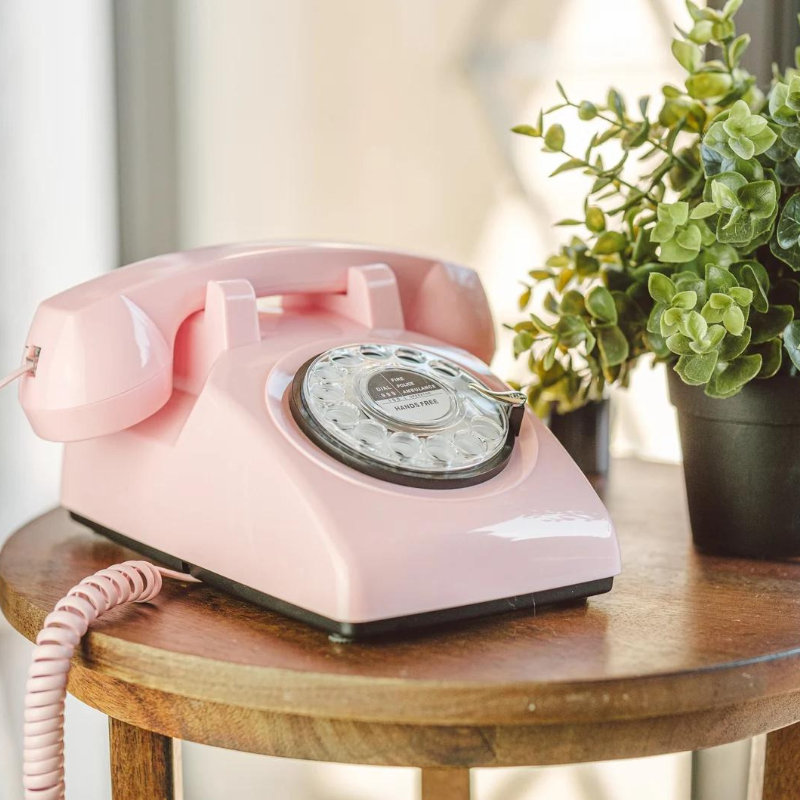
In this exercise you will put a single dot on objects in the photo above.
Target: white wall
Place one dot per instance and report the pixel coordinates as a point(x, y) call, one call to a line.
point(58, 223)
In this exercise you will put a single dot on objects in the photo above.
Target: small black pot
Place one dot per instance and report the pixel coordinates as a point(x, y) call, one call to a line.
point(585, 436)
point(741, 462)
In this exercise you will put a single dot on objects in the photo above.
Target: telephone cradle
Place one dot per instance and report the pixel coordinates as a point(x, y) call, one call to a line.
point(345, 458)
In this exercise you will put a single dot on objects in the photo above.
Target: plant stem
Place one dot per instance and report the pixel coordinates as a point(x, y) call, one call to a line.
point(600, 173)
point(653, 142)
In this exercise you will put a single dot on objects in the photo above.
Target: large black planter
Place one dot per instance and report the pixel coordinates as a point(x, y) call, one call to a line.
point(741, 461)
point(585, 436)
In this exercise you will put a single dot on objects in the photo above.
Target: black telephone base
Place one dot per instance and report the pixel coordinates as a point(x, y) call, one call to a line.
point(361, 630)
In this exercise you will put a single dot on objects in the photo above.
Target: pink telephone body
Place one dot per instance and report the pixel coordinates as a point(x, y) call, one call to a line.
point(347, 459)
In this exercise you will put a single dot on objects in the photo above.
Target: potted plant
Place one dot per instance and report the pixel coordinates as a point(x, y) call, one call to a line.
point(687, 251)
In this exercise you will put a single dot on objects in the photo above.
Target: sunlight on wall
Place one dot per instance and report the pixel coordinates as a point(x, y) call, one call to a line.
point(625, 46)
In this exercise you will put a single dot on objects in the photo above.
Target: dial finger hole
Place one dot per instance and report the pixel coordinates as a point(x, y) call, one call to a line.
point(370, 433)
point(374, 351)
point(346, 358)
point(327, 392)
point(445, 369)
point(469, 444)
point(404, 445)
point(330, 372)
point(440, 449)
point(487, 429)
point(409, 355)
point(343, 415)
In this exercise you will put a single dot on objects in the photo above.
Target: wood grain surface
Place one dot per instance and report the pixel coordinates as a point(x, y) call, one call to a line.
point(143, 764)
point(782, 765)
point(685, 652)
point(445, 784)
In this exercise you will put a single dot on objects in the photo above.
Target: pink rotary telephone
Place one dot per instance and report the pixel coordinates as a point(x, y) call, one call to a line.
point(348, 460)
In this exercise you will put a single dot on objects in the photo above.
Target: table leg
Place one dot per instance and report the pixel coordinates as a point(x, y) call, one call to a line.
point(445, 784)
point(782, 764)
point(143, 764)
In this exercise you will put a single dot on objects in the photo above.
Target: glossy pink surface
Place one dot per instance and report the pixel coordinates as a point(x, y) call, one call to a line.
point(108, 343)
point(221, 476)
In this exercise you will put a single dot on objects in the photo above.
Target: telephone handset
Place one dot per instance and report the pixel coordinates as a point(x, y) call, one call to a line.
point(105, 348)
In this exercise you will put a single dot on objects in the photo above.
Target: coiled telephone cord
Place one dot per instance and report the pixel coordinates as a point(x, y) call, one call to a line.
point(43, 749)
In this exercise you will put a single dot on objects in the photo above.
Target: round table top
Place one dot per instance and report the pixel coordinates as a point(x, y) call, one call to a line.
point(686, 651)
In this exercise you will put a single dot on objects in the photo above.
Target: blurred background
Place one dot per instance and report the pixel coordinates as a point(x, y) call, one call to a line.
point(137, 127)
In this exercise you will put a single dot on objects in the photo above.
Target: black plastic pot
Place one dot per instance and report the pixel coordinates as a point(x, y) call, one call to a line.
point(741, 460)
point(585, 436)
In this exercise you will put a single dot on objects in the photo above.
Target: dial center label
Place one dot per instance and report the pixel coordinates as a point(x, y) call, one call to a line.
point(409, 396)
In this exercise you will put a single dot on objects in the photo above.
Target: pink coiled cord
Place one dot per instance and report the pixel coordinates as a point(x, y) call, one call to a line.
point(43, 749)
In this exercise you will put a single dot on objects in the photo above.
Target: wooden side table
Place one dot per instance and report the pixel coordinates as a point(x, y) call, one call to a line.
point(685, 653)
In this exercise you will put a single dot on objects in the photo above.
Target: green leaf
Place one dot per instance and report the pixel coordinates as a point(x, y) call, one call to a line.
point(771, 353)
point(540, 274)
point(609, 242)
point(733, 320)
point(657, 345)
point(672, 252)
point(741, 295)
point(791, 341)
point(527, 130)
point(678, 212)
point(523, 342)
point(694, 11)
point(742, 146)
point(695, 326)
point(685, 300)
point(767, 326)
point(661, 288)
point(550, 355)
point(687, 54)
point(716, 333)
point(723, 196)
point(613, 345)
point(617, 104)
point(587, 110)
point(703, 210)
point(554, 138)
point(759, 198)
point(689, 238)
point(731, 376)
point(595, 219)
point(697, 369)
point(790, 256)
point(541, 325)
point(569, 164)
point(733, 346)
point(718, 279)
point(708, 85)
point(680, 345)
point(789, 224)
point(737, 48)
point(758, 283)
point(571, 330)
point(524, 299)
point(719, 300)
point(654, 320)
point(600, 304)
point(572, 302)
point(730, 8)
